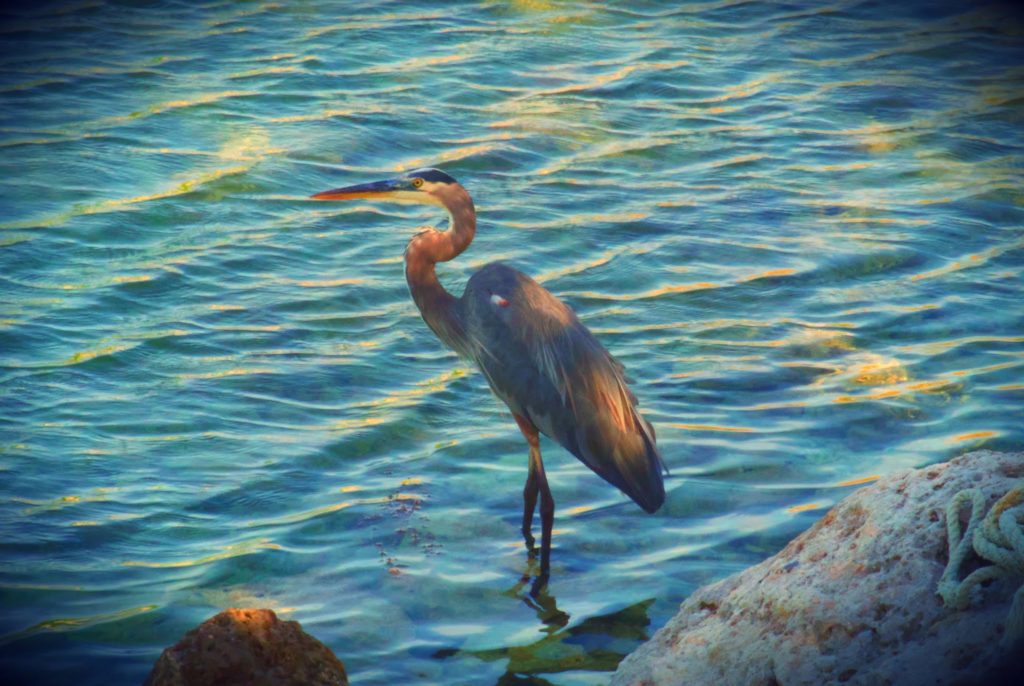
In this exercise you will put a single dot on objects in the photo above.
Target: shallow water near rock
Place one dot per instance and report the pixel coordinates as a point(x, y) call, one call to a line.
point(799, 226)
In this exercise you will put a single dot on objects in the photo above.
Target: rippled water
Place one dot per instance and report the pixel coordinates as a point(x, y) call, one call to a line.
point(798, 225)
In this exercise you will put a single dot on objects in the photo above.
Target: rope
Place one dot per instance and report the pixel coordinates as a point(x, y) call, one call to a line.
point(999, 539)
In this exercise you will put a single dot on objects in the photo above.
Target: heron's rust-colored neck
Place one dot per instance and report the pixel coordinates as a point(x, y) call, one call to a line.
point(438, 307)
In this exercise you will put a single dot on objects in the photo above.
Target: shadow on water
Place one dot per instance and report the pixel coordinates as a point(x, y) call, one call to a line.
point(597, 644)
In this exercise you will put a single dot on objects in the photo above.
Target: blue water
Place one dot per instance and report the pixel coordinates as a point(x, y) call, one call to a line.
point(800, 226)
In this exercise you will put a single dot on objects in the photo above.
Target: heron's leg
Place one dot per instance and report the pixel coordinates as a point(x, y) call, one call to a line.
point(531, 489)
point(530, 492)
point(547, 521)
point(537, 482)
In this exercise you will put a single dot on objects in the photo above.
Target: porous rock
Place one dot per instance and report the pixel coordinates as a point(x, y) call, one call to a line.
point(850, 601)
point(247, 647)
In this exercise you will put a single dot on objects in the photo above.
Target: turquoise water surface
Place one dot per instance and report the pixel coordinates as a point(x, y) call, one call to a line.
point(799, 225)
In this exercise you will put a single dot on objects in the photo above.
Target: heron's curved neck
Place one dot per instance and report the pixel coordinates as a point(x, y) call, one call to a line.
point(439, 307)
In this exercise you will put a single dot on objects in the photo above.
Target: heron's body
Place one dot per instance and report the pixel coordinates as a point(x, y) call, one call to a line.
point(550, 370)
point(538, 358)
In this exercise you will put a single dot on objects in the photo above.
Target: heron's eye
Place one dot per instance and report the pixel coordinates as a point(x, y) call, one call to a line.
point(417, 182)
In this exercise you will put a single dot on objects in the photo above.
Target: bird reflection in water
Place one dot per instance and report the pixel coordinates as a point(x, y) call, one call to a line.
point(597, 644)
point(554, 375)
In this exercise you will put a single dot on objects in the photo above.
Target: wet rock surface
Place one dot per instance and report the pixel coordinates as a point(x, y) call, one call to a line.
point(850, 601)
point(251, 648)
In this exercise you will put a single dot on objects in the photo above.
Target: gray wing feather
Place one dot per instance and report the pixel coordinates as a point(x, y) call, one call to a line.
point(547, 367)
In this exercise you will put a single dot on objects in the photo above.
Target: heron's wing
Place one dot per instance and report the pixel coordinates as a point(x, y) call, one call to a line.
point(544, 363)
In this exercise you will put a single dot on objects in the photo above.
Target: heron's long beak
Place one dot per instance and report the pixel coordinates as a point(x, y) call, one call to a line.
point(377, 189)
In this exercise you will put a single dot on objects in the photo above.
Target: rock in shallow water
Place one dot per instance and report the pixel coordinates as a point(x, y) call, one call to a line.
point(251, 648)
point(852, 600)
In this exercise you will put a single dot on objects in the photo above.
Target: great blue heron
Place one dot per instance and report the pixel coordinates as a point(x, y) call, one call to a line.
point(555, 377)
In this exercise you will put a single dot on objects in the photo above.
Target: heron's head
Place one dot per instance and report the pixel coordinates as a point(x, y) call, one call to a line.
point(420, 187)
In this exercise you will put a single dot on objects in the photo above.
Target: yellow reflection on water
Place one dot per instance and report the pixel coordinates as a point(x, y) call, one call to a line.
point(607, 150)
point(349, 424)
point(713, 427)
point(896, 221)
point(303, 516)
point(653, 293)
point(409, 396)
point(237, 371)
point(263, 71)
point(414, 63)
point(769, 274)
point(972, 260)
point(880, 373)
point(861, 480)
point(70, 623)
point(328, 283)
point(323, 115)
point(201, 99)
point(883, 307)
point(747, 89)
point(818, 168)
point(98, 283)
point(251, 144)
point(447, 156)
point(974, 435)
point(613, 77)
point(942, 346)
point(803, 508)
point(879, 395)
point(276, 57)
point(247, 327)
point(935, 386)
point(86, 355)
point(137, 278)
point(575, 120)
point(534, 5)
point(580, 220)
point(235, 550)
point(876, 138)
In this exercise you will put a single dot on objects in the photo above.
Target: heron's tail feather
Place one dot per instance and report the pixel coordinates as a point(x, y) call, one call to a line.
point(628, 460)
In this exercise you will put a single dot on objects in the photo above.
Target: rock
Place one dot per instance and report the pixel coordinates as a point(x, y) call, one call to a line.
point(250, 647)
point(850, 601)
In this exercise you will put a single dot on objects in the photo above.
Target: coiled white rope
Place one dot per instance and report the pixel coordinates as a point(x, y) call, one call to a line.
point(998, 538)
